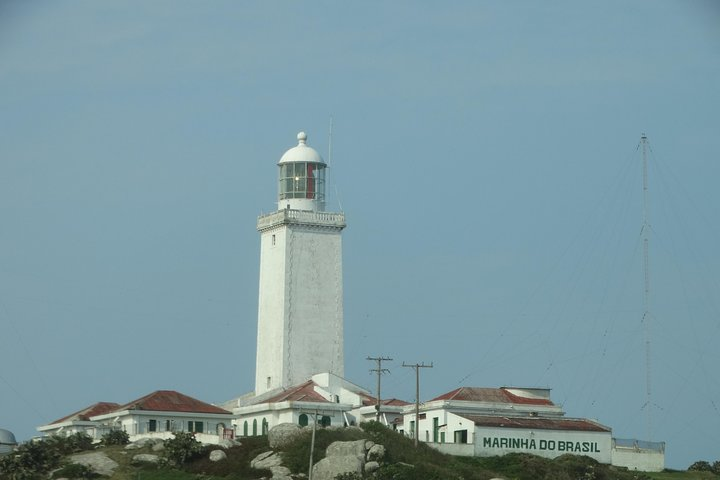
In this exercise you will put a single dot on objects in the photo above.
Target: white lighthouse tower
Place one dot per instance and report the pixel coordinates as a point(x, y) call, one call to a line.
point(300, 308)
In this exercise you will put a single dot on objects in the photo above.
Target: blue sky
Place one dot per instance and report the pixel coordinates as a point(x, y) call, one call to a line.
point(485, 155)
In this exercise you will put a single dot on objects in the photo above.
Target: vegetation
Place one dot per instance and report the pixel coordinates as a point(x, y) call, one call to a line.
point(182, 448)
point(187, 459)
point(115, 437)
point(35, 459)
point(703, 466)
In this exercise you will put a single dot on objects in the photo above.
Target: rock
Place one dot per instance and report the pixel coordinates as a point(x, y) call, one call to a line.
point(330, 467)
point(271, 461)
point(267, 460)
point(144, 458)
point(158, 447)
point(282, 434)
point(227, 443)
point(341, 449)
point(134, 446)
point(98, 461)
point(280, 473)
point(376, 452)
point(217, 455)
point(369, 444)
point(370, 467)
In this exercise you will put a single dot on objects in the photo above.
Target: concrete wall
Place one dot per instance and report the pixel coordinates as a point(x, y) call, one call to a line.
point(459, 449)
point(544, 443)
point(642, 460)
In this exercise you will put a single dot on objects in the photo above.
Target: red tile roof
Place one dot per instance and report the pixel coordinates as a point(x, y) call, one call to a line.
point(368, 400)
point(305, 392)
point(537, 423)
point(494, 395)
point(87, 412)
point(171, 401)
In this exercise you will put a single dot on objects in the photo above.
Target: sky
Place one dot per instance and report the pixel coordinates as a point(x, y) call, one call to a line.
point(486, 155)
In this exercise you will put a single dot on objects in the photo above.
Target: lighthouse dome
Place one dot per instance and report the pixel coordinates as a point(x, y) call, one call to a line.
point(301, 152)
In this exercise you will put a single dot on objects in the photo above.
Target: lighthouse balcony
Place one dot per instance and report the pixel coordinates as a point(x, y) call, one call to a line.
point(301, 217)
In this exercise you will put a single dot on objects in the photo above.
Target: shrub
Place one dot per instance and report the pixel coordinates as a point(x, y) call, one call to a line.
point(115, 437)
point(182, 448)
point(30, 460)
point(67, 444)
point(700, 466)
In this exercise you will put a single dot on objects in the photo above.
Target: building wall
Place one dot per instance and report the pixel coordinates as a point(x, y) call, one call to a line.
point(488, 442)
point(251, 425)
point(300, 313)
point(545, 443)
point(272, 328)
point(642, 460)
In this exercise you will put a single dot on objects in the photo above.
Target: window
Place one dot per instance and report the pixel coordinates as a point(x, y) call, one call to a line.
point(168, 425)
point(264, 426)
point(461, 436)
point(325, 421)
point(268, 381)
point(303, 420)
point(273, 240)
point(152, 426)
point(254, 427)
point(196, 427)
point(412, 428)
point(245, 428)
point(436, 429)
point(302, 180)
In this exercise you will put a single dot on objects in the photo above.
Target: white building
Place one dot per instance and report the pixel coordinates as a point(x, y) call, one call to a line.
point(331, 399)
point(156, 415)
point(488, 422)
point(300, 307)
point(79, 422)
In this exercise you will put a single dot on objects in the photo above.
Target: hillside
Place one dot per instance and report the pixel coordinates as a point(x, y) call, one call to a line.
point(402, 461)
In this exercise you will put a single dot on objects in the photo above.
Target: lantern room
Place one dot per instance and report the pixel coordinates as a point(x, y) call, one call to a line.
point(302, 178)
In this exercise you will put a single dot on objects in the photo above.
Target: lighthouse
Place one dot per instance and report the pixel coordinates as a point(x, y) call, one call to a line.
point(300, 304)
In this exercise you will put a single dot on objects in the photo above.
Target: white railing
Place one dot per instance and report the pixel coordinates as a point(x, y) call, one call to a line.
point(302, 217)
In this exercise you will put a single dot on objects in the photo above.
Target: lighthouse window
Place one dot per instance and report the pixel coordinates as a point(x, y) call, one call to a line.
point(302, 180)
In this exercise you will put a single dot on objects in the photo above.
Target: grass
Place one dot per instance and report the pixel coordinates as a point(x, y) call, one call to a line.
point(683, 476)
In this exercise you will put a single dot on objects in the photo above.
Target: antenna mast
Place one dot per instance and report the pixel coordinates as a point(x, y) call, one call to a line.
point(646, 294)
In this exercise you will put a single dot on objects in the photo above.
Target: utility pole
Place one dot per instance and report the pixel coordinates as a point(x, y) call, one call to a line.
point(379, 370)
point(417, 368)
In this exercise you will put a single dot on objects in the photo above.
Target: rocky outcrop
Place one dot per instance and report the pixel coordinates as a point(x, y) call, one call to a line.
point(217, 455)
point(376, 452)
point(343, 449)
point(282, 434)
point(271, 461)
point(227, 443)
point(97, 461)
point(348, 457)
point(144, 458)
point(330, 467)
